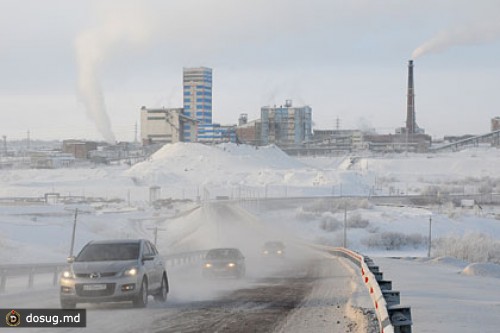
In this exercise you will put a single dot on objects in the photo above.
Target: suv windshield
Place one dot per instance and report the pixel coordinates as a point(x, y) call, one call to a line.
point(108, 252)
point(223, 254)
point(274, 245)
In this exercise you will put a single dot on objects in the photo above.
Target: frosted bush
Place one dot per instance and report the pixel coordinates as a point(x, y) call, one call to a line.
point(329, 223)
point(472, 247)
point(393, 240)
point(356, 221)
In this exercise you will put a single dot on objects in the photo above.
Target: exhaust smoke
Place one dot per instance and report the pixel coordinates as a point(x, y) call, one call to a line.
point(477, 33)
point(93, 47)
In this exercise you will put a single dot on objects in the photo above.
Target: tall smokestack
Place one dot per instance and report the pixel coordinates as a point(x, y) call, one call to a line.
point(411, 124)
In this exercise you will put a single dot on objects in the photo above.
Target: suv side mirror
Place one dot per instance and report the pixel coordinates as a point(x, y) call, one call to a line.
point(70, 259)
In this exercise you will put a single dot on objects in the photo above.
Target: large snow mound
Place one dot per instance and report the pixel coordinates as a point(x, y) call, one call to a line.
point(482, 269)
point(229, 165)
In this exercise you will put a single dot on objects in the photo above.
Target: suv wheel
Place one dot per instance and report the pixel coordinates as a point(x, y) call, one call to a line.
point(162, 293)
point(141, 300)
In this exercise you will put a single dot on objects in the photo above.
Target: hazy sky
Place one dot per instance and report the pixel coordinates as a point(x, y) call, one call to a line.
point(83, 69)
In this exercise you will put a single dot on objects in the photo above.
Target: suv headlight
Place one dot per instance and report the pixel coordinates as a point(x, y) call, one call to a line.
point(231, 264)
point(68, 274)
point(132, 271)
point(207, 265)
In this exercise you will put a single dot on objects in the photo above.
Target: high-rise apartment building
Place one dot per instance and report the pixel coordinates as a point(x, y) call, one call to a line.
point(286, 125)
point(197, 86)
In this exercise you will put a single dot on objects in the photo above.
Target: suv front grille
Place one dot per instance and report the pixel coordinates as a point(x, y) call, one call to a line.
point(87, 275)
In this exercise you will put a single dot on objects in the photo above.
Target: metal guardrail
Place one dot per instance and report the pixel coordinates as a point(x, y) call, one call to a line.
point(30, 270)
point(392, 317)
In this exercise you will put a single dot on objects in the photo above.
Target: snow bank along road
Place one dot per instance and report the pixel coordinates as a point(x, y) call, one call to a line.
point(305, 292)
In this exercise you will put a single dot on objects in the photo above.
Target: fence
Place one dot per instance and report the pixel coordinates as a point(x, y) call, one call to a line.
point(31, 270)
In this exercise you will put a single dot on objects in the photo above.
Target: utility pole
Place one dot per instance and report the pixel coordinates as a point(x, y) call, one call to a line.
point(345, 226)
point(135, 132)
point(430, 237)
point(155, 233)
point(73, 235)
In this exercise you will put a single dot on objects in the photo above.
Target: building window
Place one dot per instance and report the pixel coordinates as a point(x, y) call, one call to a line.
point(187, 93)
point(187, 100)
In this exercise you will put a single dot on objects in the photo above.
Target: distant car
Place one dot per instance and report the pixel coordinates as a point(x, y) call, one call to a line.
point(113, 271)
point(224, 262)
point(274, 249)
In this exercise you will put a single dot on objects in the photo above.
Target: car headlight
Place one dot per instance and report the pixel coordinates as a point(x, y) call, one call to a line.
point(68, 274)
point(208, 265)
point(266, 252)
point(231, 264)
point(131, 271)
point(279, 252)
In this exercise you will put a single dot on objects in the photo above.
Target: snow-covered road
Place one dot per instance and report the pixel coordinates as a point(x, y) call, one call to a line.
point(288, 296)
point(443, 300)
point(307, 291)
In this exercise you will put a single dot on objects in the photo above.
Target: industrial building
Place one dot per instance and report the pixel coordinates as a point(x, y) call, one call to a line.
point(495, 124)
point(249, 133)
point(216, 133)
point(166, 125)
point(286, 125)
point(79, 149)
point(197, 88)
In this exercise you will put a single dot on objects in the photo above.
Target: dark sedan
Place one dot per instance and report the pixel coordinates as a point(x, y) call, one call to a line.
point(224, 262)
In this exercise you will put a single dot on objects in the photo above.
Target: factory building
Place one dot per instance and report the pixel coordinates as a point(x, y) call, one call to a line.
point(79, 149)
point(197, 88)
point(286, 125)
point(249, 133)
point(165, 125)
point(495, 124)
point(216, 133)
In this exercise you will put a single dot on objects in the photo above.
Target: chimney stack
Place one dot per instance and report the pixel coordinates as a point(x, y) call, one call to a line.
point(411, 124)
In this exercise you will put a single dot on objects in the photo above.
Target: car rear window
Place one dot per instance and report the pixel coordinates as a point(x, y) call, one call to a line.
point(109, 252)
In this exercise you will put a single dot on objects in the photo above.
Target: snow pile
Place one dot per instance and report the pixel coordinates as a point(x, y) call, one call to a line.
point(224, 164)
point(235, 168)
point(449, 261)
point(482, 269)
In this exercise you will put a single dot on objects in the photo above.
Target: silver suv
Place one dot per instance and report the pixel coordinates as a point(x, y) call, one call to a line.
point(113, 271)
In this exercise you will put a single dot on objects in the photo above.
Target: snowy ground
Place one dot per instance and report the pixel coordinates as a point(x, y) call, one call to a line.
point(37, 232)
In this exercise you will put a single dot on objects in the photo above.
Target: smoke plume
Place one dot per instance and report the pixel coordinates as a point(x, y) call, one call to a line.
point(477, 33)
point(93, 47)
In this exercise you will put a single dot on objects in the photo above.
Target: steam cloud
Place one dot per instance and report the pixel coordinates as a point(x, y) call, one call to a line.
point(93, 47)
point(478, 33)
